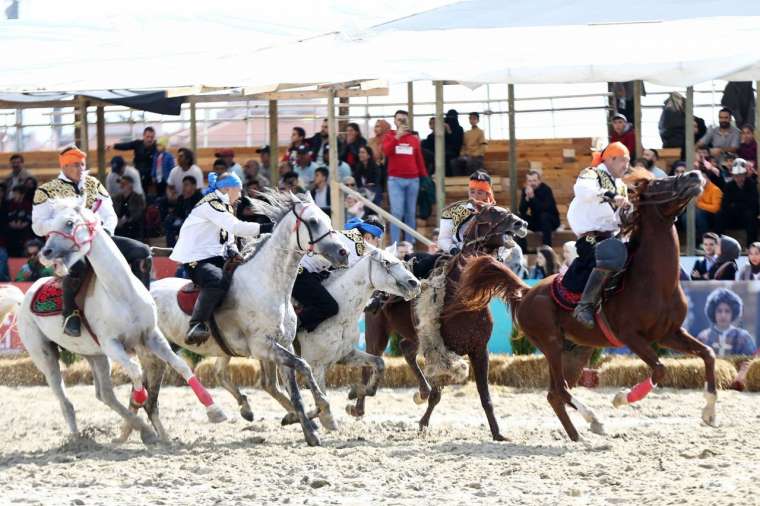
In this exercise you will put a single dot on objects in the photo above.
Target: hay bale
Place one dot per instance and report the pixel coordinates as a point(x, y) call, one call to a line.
point(523, 371)
point(685, 372)
point(20, 372)
point(753, 376)
point(78, 373)
point(244, 372)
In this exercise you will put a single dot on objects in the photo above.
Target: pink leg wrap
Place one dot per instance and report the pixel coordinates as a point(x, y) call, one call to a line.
point(139, 396)
point(200, 391)
point(640, 391)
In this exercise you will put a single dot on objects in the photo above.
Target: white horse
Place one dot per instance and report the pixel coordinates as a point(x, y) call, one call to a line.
point(256, 318)
point(120, 316)
point(11, 297)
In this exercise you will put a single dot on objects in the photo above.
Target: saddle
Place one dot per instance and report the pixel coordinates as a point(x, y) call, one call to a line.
point(48, 300)
point(186, 297)
point(568, 299)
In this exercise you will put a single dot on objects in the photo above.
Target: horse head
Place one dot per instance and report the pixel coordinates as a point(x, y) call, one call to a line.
point(389, 274)
point(666, 197)
point(313, 231)
point(70, 237)
point(492, 228)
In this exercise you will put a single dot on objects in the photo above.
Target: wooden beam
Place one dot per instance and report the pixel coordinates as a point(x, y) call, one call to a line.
point(691, 228)
point(410, 103)
point(84, 136)
point(304, 95)
point(440, 153)
point(637, 85)
point(274, 150)
point(193, 127)
point(513, 184)
point(101, 136)
point(336, 202)
point(757, 119)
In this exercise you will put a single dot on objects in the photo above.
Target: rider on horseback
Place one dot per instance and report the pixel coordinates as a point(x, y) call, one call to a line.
point(316, 302)
point(206, 240)
point(73, 182)
point(594, 216)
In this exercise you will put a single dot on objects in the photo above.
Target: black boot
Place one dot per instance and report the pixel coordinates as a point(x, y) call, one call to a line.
point(208, 300)
point(584, 312)
point(142, 269)
point(72, 321)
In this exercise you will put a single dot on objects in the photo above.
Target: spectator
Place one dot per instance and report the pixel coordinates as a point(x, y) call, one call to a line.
point(219, 167)
point(376, 143)
point(654, 156)
point(724, 138)
point(167, 207)
point(19, 212)
point(622, 131)
point(33, 270)
point(515, 261)
point(354, 207)
point(186, 201)
point(538, 208)
point(228, 155)
point(19, 174)
point(144, 152)
point(433, 247)
point(702, 267)
point(403, 249)
point(546, 265)
point(569, 254)
point(163, 163)
point(454, 138)
point(252, 170)
point(252, 187)
point(320, 190)
point(297, 140)
point(672, 123)
point(708, 204)
point(724, 308)
point(700, 129)
point(623, 98)
point(304, 166)
point(266, 160)
point(747, 145)
point(405, 167)
point(751, 271)
point(367, 174)
point(344, 170)
point(185, 167)
point(473, 150)
point(4, 234)
point(739, 97)
point(283, 168)
point(349, 153)
point(290, 182)
point(130, 209)
point(724, 268)
point(119, 168)
point(318, 142)
point(30, 187)
point(428, 144)
point(678, 168)
point(739, 206)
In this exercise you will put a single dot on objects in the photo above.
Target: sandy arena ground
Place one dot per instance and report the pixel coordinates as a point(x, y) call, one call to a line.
point(656, 453)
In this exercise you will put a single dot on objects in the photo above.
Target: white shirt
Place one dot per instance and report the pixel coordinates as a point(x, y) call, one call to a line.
point(112, 181)
point(452, 219)
point(353, 243)
point(177, 175)
point(320, 196)
point(238, 170)
point(210, 227)
point(587, 211)
point(43, 211)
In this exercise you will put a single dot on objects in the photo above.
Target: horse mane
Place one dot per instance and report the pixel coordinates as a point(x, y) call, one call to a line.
point(274, 204)
point(72, 204)
point(637, 181)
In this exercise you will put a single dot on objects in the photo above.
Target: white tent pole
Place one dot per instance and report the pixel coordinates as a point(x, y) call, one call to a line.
point(193, 128)
point(274, 150)
point(691, 229)
point(336, 203)
point(19, 130)
point(410, 103)
point(440, 154)
point(513, 183)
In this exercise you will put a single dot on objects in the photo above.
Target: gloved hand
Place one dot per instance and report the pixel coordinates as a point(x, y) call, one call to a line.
point(453, 251)
point(232, 262)
point(266, 228)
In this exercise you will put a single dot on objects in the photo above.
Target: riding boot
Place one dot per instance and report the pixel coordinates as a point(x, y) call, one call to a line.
point(584, 312)
point(207, 302)
point(142, 269)
point(72, 320)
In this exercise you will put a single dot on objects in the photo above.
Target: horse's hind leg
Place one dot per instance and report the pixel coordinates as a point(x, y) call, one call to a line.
point(409, 350)
point(368, 388)
point(433, 399)
point(271, 386)
point(223, 377)
point(684, 342)
point(558, 395)
point(479, 362)
point(574, 359)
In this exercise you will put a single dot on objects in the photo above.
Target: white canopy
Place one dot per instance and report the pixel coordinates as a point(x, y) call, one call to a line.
point(258, 44)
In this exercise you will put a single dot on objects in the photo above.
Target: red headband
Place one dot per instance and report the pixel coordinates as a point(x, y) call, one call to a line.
point(483, 186)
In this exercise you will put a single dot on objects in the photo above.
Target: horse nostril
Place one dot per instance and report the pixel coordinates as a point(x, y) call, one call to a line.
point(47, 252)
point(414, 283)
point(342, 252)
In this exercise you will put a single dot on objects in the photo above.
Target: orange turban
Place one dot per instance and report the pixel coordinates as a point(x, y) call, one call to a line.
point(71, 155)
point(611, 151)
point(483, 186)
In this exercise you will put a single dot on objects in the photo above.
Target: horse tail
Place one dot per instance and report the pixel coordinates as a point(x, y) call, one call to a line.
point(484, 278)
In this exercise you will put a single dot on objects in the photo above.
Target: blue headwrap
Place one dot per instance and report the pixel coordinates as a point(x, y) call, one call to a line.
point(230, 180)
point(364, 228)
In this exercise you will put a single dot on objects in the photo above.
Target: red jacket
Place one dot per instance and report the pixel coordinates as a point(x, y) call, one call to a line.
point(628, 138)
point(403, 156)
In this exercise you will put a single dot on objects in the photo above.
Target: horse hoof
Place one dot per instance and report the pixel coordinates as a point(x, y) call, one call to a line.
point(709, 417)
point(353, 411)
point(598, 428)
point(247, 414)
point(149, 437)
point(289, 419)
point(216, 414)
point(313, 440)
point(621, 398)
point(352, 394)
point(328, 422)
point(119, 440)
point(418, 398)
point(499, 437)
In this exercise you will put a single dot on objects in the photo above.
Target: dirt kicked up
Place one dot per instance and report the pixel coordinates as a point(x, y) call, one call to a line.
point(658, 452)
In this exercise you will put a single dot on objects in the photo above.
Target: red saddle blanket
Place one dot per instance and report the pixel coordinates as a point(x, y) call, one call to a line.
point(48, 301)
point(568, 299)
point(186, 297)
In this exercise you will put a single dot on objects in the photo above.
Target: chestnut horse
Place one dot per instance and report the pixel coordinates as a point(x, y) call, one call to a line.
point(466, 335)
point(650, 308)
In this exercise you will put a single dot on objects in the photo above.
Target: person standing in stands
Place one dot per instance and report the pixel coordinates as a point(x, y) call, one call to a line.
point(453, 138)
point(163, 163)
point(297, 139)
point(473, 150)
point(144, 152)
point(349, 152)
point(18, 175)
point(185, 167)
point(538, 208)
point(623, 132)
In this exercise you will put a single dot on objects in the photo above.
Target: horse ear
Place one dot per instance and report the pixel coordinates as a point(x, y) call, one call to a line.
point(392, 249)
point(307, 197)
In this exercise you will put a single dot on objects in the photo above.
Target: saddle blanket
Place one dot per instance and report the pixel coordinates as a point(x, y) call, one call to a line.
point(48, 301)
point(186, 297)
point(568, 299)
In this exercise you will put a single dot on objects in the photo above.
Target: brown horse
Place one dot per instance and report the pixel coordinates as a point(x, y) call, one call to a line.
point(466, 335)
point(650, 308)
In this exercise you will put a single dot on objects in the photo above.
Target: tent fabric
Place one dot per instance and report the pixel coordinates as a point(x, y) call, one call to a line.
point(143, 100)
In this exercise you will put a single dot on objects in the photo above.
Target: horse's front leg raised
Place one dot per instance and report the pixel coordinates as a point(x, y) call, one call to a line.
point(376, 365)
point(409, 350)
point(646, 353)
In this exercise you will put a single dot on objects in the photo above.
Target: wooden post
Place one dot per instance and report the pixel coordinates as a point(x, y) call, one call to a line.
point(691, 228)
point(637, 85)
point(336, 202)
point(193, 128)
point(343, 112)
point(757, 119)
point(513, 183)
point(19, 130)
point(101, 136)
point(84, 139)
point(440, 153)
point(410, 103)
point(274, 150)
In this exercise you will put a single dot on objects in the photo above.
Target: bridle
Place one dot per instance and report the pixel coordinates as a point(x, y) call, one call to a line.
point(372, 284)
point(297, 229)
point(91, 227)
point(479, 240)
point(670, 196)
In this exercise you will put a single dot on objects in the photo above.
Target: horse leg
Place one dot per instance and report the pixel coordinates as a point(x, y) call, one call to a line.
point(223, 377)
point(645, 352)
point(686, 343)
point(409, 350)
point(271, 386)
point(376, 336)
point(433, 399)
point(558, 395)
point(291, 384)
point(479, 361)
point(153, 374)
point(574, 359)
point(157, 343)
point(369, 388)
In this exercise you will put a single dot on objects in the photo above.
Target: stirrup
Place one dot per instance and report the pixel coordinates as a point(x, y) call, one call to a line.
point(198, 333)
point(584, 314)
point(77, 331)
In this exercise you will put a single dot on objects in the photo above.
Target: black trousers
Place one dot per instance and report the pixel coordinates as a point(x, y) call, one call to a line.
point(546, 224)
point(209, 273)
point(422, 263)
point(317, 303)
point(579, 271)
point(735, 217)
point(133, 250)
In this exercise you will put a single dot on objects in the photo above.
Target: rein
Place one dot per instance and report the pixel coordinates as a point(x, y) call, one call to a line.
point(670, 197)
point(479, 240)
point(297, 230)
